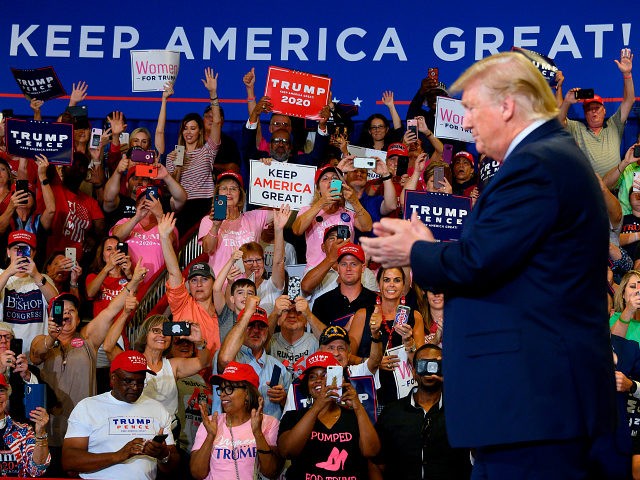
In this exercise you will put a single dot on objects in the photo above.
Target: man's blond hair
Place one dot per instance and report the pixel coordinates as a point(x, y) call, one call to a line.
point(512, 74)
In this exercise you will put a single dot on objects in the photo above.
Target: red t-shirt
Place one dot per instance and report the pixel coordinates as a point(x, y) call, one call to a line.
point(109, 289)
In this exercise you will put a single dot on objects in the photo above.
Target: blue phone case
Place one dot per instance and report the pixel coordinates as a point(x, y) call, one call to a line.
point(34, 396)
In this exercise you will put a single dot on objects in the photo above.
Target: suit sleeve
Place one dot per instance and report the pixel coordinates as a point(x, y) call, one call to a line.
point(512, 219)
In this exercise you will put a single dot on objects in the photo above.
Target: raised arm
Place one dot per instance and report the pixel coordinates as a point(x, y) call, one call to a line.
point(387, 99)
point(362, 220)
point(78, 93)
point(46, 219)
point(165, 229)
point(219, 297)
point(314, 277)
point(234, 339)
point(625, 65)
point(178, 193)
point(162, 118)
point(433, 140)
point(569, 99)
point(280, 219)
point(35, 105)
point(185, 367)
point(211, 84)
point(390, 202)
point(412, 181)
point(123, 230)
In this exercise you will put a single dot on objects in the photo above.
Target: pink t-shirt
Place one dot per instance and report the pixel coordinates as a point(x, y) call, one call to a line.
point(242, 447)
point(315, 233)
point(233, 234)
point(146, 244)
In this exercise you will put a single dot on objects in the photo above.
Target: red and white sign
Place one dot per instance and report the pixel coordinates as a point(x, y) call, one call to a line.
point(297, 94)
point(449, 118)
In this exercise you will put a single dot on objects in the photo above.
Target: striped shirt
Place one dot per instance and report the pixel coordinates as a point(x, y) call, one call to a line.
point(197, 171)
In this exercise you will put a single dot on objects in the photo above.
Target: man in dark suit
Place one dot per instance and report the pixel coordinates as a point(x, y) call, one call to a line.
point(528, 360)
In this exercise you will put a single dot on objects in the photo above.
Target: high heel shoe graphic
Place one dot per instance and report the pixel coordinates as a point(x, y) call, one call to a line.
point(335, 461)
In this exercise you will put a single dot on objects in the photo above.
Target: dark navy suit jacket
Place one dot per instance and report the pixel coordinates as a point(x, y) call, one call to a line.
point(527, 355)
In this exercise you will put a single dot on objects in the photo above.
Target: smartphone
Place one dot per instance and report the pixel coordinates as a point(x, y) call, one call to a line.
point(334, 373)
point(432, 73)
point(160, 438)
point(57, 311)
point(142, 156)
point(22, 186)
point(343, 232)
point(124, 138)
point(636, 151)
point(176, 329)
point(412, 126)
point(96, 133)
point(438, 177)
point(293, 288)
point(275, 376)
point(447, 153)
point(336, 185)
point(220, 207)
point(149, 171)
point(151, 193)
point(403, 166)
point(240, 265)
point(179, 160)
point(584, 93)
point(35, 395)
point(364, 162)
point(23, 251)
point(402, 315)
point(78, 111)
point(123, 247)
point(70, 253)
point(15, 345)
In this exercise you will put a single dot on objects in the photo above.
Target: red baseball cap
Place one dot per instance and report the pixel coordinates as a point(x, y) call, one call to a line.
point(325, 169)
point(22, 236)
point(351, 249)
point(397, 149)
point(130, 361)
point(237, 372)
point(465, 155)
point(595, 99)
point(320, 359)
point(231, 175)
point(260, 315)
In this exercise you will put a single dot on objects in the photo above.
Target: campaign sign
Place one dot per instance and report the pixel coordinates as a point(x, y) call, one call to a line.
point(151, 69)
point(297, 94)
point(41, 83)
point(444, 214)
point(279, 183)
point(449, 117)
point(544, 64)
point(486, 170)
point(403, 374)
point(29, 138)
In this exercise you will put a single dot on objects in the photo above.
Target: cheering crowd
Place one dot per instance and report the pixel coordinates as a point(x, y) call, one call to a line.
point(252, 370)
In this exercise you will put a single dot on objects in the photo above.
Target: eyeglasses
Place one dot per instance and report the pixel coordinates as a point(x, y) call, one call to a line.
point(280, 140)
point(280, 124)
point(254, 261)
point(377, 127)
point(228, 389)
point(6, 337)
point(228, 189)
point(156, 331)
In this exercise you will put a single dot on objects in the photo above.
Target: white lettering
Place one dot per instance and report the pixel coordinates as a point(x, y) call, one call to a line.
point(341, 40)
point(22, 39)
point(52, 40)
point(571, 45)
point(253, 43)
point(296, 47)
point(598, 31)
point(86, 40)
point(184, 47)
point(490, 47)
point(390, 44)
point(210, 37)
point(457, 46)
point(519, 41)
point(119, 44)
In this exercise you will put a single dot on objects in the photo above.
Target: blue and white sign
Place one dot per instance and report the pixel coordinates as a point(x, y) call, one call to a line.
point(444, 214)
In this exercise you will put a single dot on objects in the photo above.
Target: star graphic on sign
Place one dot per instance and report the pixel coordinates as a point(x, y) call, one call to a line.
point(357, 102)
point(335, 100)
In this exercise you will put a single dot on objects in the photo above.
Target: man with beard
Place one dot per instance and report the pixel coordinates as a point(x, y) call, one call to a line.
point(412, 430)
point(77, 213)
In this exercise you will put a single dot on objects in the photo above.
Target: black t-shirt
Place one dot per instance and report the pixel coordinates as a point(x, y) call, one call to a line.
point(631, 224)
point(331, 452)
point(333, 308)
point(8, 465)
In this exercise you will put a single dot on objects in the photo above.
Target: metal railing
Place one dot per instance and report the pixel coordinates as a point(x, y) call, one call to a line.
point(153, 295)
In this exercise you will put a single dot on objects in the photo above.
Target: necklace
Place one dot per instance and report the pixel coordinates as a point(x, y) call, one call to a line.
point(233, 448)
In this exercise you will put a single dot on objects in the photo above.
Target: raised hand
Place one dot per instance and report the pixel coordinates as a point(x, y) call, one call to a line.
point(78, 93)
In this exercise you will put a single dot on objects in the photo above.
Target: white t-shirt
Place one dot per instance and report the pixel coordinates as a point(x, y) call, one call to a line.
point(23, 306)
point(163, 388)
point(110, 424)
point(242, 447)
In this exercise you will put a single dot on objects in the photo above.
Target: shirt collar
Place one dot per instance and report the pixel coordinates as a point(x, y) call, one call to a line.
point(521, 136)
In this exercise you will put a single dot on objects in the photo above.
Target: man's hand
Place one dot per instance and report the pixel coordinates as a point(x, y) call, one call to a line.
point(277, 394)
point(625, 64)
point(131, 449)
point(623, 383)
point(394, 241)
point(249, 78)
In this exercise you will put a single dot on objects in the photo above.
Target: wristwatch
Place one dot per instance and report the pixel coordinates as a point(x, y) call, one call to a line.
point(165, 459)
point(633, 387)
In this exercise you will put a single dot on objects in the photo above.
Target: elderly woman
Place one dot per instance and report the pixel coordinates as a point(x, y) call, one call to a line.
point(305, 435)
point(25, 453)
point(240, 440)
